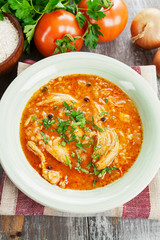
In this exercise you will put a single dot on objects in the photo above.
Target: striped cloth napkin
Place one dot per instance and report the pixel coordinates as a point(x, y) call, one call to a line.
point(145, 205)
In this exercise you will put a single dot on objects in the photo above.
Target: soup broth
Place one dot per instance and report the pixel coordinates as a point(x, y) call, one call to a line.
point(81, 132)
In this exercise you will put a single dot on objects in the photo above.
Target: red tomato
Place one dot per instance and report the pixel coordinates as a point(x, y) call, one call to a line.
point(53, 26)
point(113, 23)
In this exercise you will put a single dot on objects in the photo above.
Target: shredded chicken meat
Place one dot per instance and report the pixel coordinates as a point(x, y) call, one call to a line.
point(51, 176)
point(108, 152)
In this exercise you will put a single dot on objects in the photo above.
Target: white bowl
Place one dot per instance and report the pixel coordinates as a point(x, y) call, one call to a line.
point(24, 176)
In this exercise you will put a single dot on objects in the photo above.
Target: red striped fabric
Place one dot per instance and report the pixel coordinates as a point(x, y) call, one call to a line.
point(26, 206)
point(140, 206)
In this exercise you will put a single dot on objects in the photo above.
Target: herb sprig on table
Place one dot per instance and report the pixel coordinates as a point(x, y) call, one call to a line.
point(29, 12)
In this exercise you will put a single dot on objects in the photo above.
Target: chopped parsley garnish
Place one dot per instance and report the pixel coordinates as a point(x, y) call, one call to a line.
point(73, 138)
point(113, 117)
point(79, 145)
point(63, 143)
point(83, 170)
point(97, 155)
point(94, 182)
point(73, 154)
point(96, 172)
point(84, 136)
point(66, 106)
point(47, 122)
point(89, 165)
point(106, 100)
point(62, 126)
point(34, 117)
point(67, 162)
point(116, 138)
point(95, 126)
point(44, 137)
point(105, 128)
point(87, 121)
point(36, 143)
point(87, 129)
point(114, 167)
point(78, 161)
point(97, 147)
point(55, 107)
point(103, 113)
point(78, 156)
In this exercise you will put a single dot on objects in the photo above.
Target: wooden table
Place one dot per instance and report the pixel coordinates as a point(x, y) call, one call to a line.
point(105, 228)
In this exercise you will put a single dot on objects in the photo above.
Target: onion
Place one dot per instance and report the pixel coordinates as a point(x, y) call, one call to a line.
point(156, 61)
point(29, 61)
point(145, 29)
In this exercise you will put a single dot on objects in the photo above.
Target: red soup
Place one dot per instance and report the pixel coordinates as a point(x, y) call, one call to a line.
point(81, 132)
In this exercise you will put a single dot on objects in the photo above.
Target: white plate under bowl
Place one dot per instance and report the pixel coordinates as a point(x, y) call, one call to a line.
point(24, 176)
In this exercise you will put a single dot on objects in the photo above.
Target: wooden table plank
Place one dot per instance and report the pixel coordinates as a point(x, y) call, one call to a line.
point(96, 228)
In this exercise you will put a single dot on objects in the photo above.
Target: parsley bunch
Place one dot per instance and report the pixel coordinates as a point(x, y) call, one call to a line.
point(29, 12)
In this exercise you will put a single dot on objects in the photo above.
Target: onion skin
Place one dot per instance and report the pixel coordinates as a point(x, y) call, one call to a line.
point(156, 61)
point(145, 29)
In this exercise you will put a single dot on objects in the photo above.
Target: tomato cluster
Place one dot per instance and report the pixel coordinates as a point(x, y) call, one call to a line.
point(57, 24)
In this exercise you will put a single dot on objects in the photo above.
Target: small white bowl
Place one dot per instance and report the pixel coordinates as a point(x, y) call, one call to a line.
point(24, 176)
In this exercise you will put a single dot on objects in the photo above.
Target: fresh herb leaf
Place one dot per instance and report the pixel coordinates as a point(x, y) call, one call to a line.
point(94, 182)
point(73, 138)
point(97, 147)
point(63, 143)
point(67, 162)
point(103, 113)
point(113, 117)
point(97, 155)
point(55, 107)
point(47, 122)
point(117, 138)
point(94, 9)
point(81, 19)
point(98, 128)
point(87, 129)
point(87, 121)
point(66, 106)
point(22, 8)
point(95, 126)
point(62, 126)
point(51, 5)
point(115, 168)
point(89, 165)
point(73, 154)
point(67, 42)
point(79, 145)
point(92, 36)
point(78, 156)
point(83, 170)
point(34, 117)
point(44, 137)
point(84, 136)
point(1, 16)
point(106, 100)
point(29, 31)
